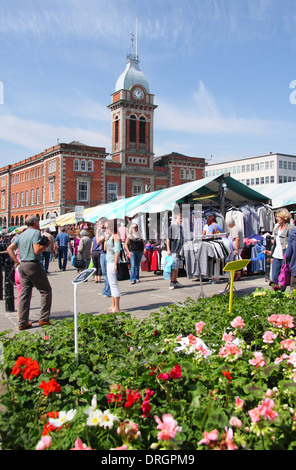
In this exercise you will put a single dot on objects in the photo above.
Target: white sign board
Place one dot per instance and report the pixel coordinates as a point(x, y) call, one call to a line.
point(79, 212)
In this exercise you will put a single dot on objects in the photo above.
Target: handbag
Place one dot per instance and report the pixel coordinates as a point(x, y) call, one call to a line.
point(79, 263)
point(122, 271)
point(285, 273)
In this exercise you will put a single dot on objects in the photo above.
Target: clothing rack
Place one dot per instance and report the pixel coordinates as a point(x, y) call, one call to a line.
point(200, 239)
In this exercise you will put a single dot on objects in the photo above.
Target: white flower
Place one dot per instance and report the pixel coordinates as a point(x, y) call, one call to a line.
point(64, 417)
point(93, 405)
point(103, 419)
point(94, 417)
point(188, 347)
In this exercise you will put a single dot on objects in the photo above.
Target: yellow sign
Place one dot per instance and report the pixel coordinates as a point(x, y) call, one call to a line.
point(233, 266)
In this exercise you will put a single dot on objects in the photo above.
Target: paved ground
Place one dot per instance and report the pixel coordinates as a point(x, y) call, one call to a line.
point(140, 299)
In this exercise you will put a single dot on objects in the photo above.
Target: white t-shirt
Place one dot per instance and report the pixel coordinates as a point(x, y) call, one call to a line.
point(278, 251)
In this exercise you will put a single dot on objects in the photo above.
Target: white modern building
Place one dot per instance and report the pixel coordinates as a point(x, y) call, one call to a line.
point(257, 171)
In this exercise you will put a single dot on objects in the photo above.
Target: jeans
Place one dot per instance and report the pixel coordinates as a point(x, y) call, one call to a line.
point(62, 255)
point(276, 268)
point(135, 265)
point(106, 290)
point(45, 257)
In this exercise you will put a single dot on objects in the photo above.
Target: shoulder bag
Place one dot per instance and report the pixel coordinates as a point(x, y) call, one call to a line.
point(285, 273)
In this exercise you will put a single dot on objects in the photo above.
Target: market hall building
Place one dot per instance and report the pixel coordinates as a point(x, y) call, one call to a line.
point(70, 174)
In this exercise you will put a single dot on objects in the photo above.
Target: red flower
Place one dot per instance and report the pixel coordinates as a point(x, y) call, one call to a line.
point(152, 370)
point(27, 366)
point(146, 407)
point(226, 374)
point(131, 398)
point(176, 372)
point(164, 376)
point(50, 387)
point(50, 427)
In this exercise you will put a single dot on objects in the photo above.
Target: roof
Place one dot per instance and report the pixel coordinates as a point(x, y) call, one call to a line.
point(132, 75)
point(204, 191)
point(281, 195)
point(271, 154)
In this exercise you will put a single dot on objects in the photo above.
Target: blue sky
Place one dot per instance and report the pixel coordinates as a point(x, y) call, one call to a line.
point(220, 70)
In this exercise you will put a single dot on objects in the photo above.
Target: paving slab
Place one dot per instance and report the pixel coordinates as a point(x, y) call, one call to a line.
point(151, 293)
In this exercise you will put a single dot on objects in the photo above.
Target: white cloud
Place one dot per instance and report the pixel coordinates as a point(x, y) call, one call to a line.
point(204, 117)
point(36, 136)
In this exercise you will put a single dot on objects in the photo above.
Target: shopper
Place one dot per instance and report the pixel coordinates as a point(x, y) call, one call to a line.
point(48, 253)
point(280, 233)
point(134, 246)
point(291, 256)
point(175, 241)
point(213, 226)
point(100, 235)
point(83, 251)
point(62, 243)
point(31, 272)
point(96, 250)
point(236, 236)
point(17, 277)
point(113, 248)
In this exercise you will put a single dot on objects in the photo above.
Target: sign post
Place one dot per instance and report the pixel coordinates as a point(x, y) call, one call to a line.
point(82, 277)
point(233, 266)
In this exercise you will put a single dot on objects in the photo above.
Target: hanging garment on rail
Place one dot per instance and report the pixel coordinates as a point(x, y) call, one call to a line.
point(206, 257)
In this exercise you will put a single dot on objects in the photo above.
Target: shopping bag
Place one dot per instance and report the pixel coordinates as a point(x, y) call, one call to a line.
point(91, 264)
point(167, 267)
point(285, 274)
point(73, 260)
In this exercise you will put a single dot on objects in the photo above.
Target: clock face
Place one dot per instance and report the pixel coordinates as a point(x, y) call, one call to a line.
point(138, 94)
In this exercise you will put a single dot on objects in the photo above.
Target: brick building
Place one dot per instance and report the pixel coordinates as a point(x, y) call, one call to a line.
point(66, 175)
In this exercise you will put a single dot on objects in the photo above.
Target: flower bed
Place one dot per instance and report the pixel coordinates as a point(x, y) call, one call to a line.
point(190, 377)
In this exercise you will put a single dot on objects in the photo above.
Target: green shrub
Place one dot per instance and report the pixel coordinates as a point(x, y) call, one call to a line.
point(171, 381)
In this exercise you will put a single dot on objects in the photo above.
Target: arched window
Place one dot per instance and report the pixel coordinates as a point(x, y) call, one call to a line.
point(76, 165)
point(133, 123)
point(83, 165)
point(90, 165)
point(142, 130)
point(116, 130)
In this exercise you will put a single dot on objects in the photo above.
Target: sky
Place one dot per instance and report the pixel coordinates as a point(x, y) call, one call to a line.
point(222, 71)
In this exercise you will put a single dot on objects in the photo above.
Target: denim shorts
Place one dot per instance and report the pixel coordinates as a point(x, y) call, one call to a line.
point(177, 261)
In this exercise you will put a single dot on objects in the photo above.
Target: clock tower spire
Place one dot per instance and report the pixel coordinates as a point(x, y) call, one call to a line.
point(132, 115)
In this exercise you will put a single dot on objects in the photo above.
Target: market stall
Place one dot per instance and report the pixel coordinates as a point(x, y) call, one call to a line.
point(281, 195)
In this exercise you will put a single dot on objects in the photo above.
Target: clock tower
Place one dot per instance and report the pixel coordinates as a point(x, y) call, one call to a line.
point(132, 114)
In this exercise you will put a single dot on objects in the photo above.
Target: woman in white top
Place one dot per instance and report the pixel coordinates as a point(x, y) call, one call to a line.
point(280, 234)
